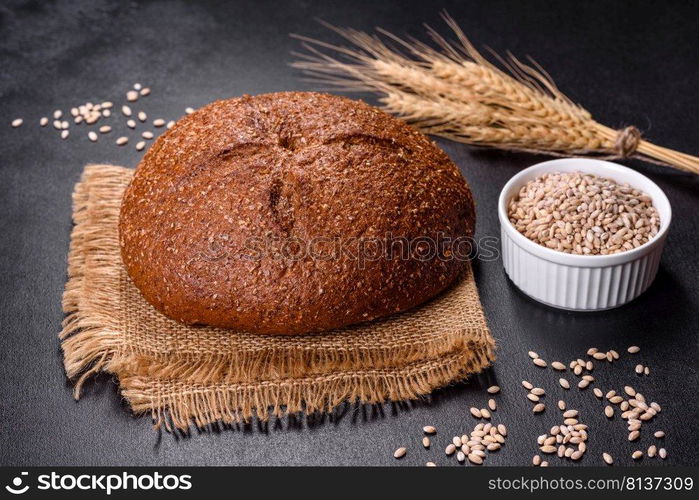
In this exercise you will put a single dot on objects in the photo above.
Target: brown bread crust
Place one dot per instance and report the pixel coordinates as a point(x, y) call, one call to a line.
point(211, 223)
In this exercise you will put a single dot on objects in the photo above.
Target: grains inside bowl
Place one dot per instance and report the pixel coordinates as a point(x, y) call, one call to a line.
point(579, 213)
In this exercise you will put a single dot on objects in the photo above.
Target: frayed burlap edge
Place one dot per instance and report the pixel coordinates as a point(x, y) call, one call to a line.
point(175, 404)
point(91, 335)
point(187, 389)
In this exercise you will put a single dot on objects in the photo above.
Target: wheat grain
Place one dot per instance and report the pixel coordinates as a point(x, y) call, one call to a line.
point(578, 213)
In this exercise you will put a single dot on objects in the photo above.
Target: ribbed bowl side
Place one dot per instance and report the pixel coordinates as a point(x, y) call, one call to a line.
point(576, 287)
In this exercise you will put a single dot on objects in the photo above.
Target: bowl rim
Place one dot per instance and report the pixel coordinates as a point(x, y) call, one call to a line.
point(574, 259)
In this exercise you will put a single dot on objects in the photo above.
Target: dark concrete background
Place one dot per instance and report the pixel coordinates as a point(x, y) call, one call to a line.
point(628, 63)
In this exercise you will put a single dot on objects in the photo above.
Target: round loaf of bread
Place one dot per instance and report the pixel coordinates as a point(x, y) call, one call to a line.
point(293, 212)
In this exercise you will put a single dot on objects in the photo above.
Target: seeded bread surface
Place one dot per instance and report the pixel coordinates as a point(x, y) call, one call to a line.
point(233, 217)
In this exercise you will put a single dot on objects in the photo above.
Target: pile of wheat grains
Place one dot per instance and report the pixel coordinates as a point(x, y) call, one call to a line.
point(579, 213)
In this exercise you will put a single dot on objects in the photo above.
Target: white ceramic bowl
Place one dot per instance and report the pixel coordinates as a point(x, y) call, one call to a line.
point(581, 282)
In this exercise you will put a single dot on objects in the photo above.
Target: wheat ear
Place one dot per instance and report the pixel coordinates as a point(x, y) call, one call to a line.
point(454, 92)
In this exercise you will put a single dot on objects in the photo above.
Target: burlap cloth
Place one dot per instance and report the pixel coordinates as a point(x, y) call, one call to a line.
point(185, 375)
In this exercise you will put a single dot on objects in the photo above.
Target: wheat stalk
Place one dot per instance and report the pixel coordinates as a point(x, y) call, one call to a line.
point(454, 92)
